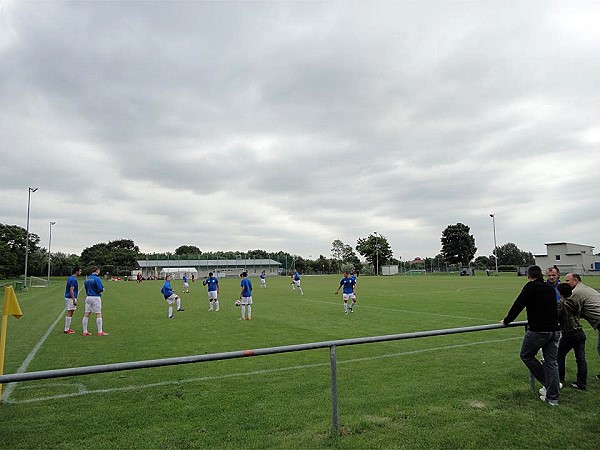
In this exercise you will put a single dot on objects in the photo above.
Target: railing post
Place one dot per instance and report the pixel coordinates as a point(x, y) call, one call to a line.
point(334, 396)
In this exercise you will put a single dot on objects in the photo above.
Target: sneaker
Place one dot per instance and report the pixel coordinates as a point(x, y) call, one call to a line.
point(103, 333)
point(550, 402)
point(210, 309)
point(216, 309)
point(181, 309)
point(86, 333)
point(351, 310)
point(69, 331)
point(249, 318)
point(242, 318)
point(345, 312)
point(598, 377)
point(170, 317)
point(543, 390)
point(576, 386)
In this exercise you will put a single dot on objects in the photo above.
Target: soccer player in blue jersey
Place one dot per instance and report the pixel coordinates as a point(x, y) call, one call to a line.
point(186, 285)
point(348, 292)
point(213, 291)
point(246, 295)
point(170, 296)
point(296, 282)
point(93, 301)
point(71, 291)
point(263, 279)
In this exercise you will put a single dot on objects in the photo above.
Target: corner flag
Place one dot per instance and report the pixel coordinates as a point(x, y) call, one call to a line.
point(10, 308)
point(11, 305)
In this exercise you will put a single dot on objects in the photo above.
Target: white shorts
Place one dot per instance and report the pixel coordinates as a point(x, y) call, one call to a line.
point(246, 300)
point(172, 299)
point(212, 295)
point(349, 296)
point(93, 305)
point(69, 304)
point(186, 285)
point(263, 281)
point(297, 283)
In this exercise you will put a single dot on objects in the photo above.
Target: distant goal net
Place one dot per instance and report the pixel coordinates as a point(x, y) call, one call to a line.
point(417, 272)
point(36, 282)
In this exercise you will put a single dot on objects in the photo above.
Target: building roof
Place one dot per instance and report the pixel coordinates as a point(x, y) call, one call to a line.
point(568, 243)
point(240, 262)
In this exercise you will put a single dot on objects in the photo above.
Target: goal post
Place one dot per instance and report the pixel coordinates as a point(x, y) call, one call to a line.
point(36, 282)
point(418, 272)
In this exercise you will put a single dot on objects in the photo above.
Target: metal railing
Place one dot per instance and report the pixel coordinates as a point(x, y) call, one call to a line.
point(332, 345)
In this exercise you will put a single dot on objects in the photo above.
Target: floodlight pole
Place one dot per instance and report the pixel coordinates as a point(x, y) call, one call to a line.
point(49, 244)
point(377, 253)
point(27, 235)
point(493, 216)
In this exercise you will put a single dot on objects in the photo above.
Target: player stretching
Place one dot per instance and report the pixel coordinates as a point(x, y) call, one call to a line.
point(246, 295)
point(296, 282)
point(170, 296)
point(213, 291)
point(348, 292)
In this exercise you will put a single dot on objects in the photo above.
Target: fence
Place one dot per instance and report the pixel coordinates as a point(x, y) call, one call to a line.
point(332, 345)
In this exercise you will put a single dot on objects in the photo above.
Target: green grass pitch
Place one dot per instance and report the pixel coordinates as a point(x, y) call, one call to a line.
point(458, 391)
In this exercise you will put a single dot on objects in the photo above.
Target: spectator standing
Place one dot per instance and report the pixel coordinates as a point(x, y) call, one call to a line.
point(543, 332)
point(573, 337)
point(589, 302)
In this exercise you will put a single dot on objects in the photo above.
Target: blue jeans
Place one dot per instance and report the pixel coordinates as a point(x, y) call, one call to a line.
point(577, 344)
point(547, 374)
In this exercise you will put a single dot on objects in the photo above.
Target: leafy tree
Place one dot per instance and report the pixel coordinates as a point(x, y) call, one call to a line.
point(187, 250)
point(350, 257)
point(12, 250)
point(63, 264)
point(118, 256)
point(337, 251)
point(483, 262)
point(458, 246)
point(511, 255)
point(375, 249)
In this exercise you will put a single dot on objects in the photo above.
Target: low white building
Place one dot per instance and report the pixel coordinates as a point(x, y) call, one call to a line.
point(201, 267)
point(569, 257)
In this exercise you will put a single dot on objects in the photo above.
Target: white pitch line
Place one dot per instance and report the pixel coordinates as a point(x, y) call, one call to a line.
point(11, 386)
point(83, 391)
point(407, 311)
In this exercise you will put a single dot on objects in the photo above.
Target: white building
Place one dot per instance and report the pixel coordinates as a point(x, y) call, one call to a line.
point(201, 267)
point(570, 257)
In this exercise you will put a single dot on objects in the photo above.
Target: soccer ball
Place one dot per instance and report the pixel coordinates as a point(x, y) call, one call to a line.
point(238, 303)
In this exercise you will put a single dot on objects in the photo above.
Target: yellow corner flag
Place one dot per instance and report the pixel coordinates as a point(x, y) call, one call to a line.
point(11, 308)
point(11, 305)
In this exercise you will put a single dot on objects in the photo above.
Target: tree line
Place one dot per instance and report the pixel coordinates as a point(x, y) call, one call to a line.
point(120, 256)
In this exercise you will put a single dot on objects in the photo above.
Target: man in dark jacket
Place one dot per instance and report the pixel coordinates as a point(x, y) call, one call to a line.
point(539, 299)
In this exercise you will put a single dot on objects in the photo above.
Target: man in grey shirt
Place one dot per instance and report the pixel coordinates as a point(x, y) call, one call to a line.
point(589, 302)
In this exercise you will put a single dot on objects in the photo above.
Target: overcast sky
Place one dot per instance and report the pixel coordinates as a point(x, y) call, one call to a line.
point(285, 125)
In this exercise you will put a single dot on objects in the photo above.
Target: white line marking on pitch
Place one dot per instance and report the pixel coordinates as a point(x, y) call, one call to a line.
point(408, 311)
point(83, 391)
point(11, 386)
